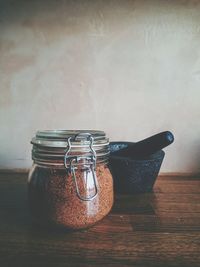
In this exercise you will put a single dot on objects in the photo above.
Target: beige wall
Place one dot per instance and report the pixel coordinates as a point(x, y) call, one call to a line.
point(131, 68)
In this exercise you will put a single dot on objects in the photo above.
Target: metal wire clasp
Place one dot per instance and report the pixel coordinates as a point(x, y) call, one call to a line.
point(88, 163)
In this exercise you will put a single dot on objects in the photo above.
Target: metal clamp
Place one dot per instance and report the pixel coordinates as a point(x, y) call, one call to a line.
point(89, 163)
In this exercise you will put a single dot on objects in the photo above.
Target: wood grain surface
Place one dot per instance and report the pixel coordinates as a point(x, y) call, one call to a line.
point(157, 229)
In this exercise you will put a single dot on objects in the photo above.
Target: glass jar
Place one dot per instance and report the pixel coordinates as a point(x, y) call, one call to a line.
point(69, 183)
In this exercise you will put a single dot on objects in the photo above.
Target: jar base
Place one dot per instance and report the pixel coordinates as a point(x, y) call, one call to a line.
point(55, 227)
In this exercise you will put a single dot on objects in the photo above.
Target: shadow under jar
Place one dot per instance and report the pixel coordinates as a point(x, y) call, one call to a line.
point(70, 184)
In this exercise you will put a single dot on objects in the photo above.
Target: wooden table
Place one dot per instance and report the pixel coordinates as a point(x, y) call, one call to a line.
point(156, 229)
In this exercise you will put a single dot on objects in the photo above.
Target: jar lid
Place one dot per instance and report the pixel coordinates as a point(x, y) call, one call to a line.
point(51, 145)
point(58, 138)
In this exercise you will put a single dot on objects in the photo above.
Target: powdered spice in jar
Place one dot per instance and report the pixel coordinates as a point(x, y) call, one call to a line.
point(70, 184)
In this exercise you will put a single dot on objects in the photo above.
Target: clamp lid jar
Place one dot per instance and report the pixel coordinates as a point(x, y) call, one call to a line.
point(70, 183)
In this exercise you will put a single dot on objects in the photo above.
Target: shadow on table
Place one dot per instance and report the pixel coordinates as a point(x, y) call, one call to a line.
point(15, 215)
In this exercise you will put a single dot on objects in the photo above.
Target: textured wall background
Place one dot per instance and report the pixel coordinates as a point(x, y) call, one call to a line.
point(131, 68)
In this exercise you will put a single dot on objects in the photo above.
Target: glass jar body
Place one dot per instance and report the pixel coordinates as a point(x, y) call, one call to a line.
point(54, 200)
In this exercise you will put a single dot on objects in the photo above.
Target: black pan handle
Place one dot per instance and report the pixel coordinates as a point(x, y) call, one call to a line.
point(147, 146)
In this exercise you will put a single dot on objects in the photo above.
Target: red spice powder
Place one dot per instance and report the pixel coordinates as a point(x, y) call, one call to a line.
point(53, 198)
